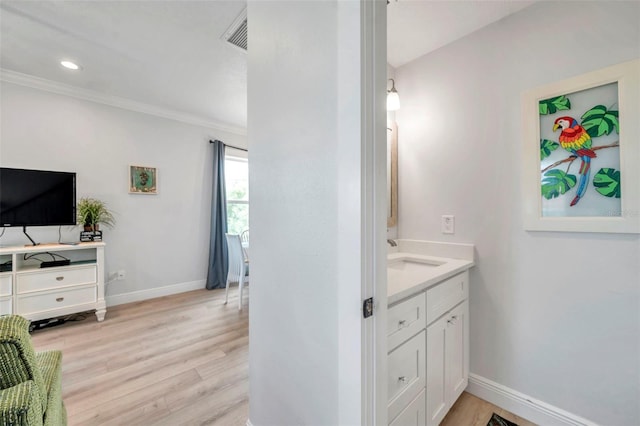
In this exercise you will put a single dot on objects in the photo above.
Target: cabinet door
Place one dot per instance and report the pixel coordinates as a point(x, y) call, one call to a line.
point(436, 385)
point(456, 351)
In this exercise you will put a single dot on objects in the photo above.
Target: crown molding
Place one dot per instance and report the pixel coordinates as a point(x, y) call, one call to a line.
point(33, 82)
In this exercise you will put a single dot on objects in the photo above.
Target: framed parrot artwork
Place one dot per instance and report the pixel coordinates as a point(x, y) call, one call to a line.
point(581, 153)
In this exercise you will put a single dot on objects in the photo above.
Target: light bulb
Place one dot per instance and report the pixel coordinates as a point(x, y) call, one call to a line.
point(393, 101)
point(70, 65)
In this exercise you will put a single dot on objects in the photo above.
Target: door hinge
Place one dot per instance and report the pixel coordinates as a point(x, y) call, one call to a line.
point(367, 307)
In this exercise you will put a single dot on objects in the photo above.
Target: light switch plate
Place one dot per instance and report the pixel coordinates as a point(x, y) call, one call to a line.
point(448, 224)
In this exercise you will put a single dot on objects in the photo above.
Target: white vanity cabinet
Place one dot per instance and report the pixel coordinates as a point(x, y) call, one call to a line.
point(428, 352)
point(406, 360)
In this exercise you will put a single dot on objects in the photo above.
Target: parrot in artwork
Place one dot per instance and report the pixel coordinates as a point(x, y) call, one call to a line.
point(575, 139)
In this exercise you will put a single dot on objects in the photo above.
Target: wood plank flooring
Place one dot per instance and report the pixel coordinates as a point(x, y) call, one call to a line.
point(175, 360)
point(470, 410)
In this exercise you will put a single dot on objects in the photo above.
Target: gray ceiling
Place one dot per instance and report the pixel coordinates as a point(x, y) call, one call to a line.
point(170, 54)
point(165, 53)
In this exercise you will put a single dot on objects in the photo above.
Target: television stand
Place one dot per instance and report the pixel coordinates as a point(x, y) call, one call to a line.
point(38, 293)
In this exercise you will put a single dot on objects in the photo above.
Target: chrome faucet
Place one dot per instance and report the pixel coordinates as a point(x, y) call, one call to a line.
point(392, 243)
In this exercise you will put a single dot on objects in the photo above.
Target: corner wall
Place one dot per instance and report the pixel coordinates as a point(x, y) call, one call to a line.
point(555, 316)
point(161, 241)
point(309, 237)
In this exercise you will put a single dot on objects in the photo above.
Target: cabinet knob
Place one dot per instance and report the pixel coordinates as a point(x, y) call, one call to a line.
point(401, 323)
point(59, 299)
point(59, 278)
point(402, 379)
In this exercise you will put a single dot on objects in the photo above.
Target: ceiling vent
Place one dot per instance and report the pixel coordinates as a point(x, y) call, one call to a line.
point(236, 34)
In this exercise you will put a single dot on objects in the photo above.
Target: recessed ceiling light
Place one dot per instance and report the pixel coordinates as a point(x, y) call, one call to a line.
point(70, 65)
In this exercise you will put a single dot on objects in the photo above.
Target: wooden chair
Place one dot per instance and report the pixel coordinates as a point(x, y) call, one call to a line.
point(238, 266)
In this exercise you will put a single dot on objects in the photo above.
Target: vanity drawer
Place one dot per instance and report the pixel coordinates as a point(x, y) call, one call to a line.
point(59, 278)
point(414, 414)
point(5, 306)
point(31, 304)
point(5, 285)
point(406, 367)
point(444, 296)
point(405, 319)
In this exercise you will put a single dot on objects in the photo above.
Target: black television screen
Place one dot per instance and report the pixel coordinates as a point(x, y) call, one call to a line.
point(37, 197)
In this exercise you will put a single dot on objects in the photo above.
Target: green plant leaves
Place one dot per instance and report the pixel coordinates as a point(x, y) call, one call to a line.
point(546, 147)
point(556, 182)
point(552, 105)
point(600, 121)
point(607, 182)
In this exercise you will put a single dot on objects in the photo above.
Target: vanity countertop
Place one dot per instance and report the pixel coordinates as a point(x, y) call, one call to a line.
point(423, 269)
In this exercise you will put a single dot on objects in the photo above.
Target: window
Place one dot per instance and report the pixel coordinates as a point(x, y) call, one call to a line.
point(236, 172)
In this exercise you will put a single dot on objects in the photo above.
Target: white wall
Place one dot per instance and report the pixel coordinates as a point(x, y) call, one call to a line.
point(555, 316)
point(159, 240)
point(304, 116)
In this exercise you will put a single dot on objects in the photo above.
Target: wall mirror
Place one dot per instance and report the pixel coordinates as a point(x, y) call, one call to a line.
point(392, 174)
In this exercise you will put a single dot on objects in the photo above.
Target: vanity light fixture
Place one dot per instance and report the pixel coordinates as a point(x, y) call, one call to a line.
point(70, 65)
point(393, 100)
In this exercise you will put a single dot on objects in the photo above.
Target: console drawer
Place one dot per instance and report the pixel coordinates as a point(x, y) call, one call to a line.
point(29, 304)
point(5, 285)
point(405, 319)
point(5, 306)
point(60, 277)
point(406, 373)
point(444, 296)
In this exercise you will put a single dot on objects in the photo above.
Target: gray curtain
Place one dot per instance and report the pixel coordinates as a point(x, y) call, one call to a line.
point(218, 261)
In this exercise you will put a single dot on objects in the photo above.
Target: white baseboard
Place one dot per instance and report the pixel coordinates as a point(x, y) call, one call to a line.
point(523, 405)
point(152, 293)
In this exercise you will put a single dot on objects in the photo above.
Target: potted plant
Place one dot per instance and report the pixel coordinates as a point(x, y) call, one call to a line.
point(92, 212)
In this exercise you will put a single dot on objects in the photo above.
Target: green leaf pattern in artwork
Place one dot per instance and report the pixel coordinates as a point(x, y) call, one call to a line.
point(607, 182)
point(557, 182)
point(546, 147)
point(553, 105)
point(599, 121)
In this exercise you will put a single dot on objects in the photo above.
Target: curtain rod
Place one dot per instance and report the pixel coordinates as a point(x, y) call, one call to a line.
point(230, 146)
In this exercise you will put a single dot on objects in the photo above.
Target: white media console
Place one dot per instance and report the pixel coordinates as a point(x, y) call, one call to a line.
point(40, 293)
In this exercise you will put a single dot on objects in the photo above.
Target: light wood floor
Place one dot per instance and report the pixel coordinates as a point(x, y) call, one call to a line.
point(175, 360)
point(470, 410)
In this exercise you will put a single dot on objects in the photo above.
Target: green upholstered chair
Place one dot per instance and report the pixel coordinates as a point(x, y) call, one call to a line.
point(30, 383)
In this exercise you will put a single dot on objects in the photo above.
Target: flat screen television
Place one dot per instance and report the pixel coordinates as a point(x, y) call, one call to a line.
point(37, 198)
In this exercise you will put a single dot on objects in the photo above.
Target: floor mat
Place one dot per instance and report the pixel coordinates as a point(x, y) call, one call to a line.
point(496, 420)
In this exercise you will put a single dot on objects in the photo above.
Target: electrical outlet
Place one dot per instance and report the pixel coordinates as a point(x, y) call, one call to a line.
point(121, 274)
point(448, 224)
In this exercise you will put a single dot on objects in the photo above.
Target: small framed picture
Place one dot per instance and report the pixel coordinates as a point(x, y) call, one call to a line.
point(143, 180)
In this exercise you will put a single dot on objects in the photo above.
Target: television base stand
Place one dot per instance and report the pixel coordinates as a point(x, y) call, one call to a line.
point(33, 243)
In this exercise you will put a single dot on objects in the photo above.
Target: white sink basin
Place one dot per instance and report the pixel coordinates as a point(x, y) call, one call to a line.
point(413, 265)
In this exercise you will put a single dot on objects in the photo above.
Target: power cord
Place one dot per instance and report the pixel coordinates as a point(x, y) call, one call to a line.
point(34, 256)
